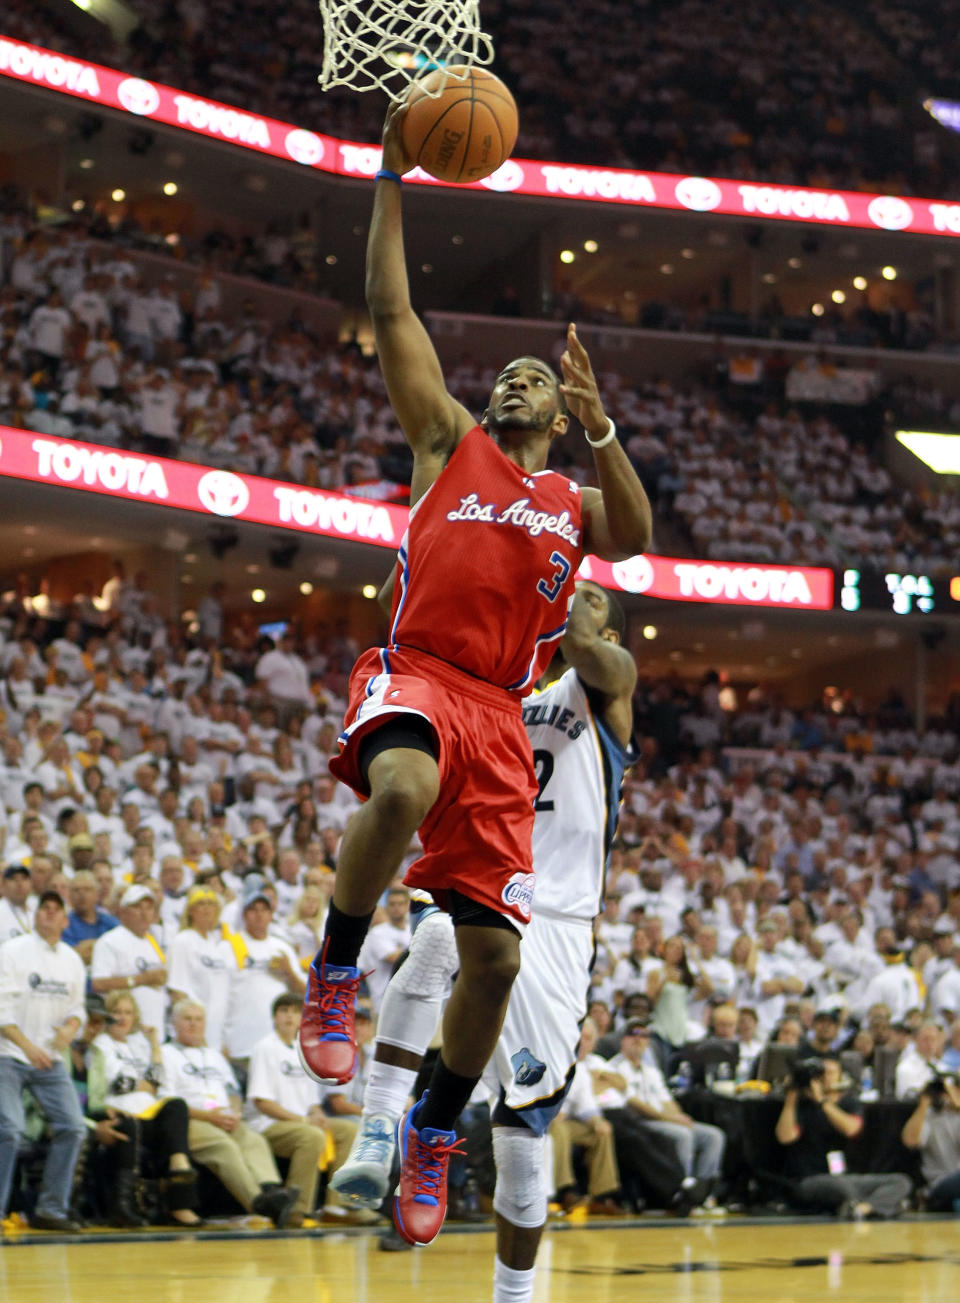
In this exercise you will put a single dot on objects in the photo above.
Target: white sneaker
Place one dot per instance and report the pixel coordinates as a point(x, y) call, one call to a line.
point(363, 1180)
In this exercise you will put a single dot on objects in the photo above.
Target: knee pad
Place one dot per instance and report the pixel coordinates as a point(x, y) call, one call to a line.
point(521, 1191)
point(431, 960)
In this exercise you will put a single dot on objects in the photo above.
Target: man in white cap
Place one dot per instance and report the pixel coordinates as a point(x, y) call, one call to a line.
point(129, 957)
point(15, 916)
point(266, 966)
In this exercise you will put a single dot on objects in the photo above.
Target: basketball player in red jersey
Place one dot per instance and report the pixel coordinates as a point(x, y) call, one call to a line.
point(434, 736)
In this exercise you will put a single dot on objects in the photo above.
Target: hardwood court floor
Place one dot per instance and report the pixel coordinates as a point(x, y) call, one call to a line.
point(907, 1262)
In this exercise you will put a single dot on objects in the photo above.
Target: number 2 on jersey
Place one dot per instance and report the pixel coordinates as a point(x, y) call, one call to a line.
point(543, 767)
point(551, 590)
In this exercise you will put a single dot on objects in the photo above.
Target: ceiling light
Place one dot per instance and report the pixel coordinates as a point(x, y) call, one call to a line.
point(118, 195)
point(369, 591)
point(331, 260)
point(190, 557)
point(650, 632)
point(795, 263)
point(170, 187)
point(769, 278)
point(688, 254)
point(306, 588)
point(456, 239)
point(86, 164)
point(426, 268)
point(253, 569)
point(838, 296)
point(591, 246)
point(817, 309)
point(567, 255)
point(859, 282)
point(666, 268)
point(889, 273)
point(258, 595)
point(78, 205)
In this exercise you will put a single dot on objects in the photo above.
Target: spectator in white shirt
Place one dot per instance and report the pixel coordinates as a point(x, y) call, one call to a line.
point(217, 1135)
point(385, 943)
point(201, 962)
point(285, 677)
point(581, 1123)
point(41, 1010)
point(129, 957)
point(16, 919)
point(920, 1061)
point(283, 1104)
point(266, 967)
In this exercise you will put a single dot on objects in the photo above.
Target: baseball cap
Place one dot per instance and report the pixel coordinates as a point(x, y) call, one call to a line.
point(253, 890)
point(81, 841)
point(636, 1025)
point(827, 1012)
point(943, 928)
point(12, 870)
point(133, 895)
point(51, 895)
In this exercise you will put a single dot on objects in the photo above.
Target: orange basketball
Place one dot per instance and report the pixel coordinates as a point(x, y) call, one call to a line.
point(464, 133)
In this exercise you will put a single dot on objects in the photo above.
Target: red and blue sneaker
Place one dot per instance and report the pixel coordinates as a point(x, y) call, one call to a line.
point(327, 1042)
point(420, 1204)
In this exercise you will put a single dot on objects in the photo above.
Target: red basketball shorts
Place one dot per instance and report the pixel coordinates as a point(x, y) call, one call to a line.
point(476, 838)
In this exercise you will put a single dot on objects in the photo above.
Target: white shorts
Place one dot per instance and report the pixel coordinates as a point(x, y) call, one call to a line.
point(532, 1066)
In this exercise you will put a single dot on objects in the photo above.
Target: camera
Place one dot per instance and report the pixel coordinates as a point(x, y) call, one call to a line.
point(936, 1088)
point(806, 1071)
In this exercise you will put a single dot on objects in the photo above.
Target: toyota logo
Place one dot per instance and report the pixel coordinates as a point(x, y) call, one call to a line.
point(634, 575)
point(891, 213)
point(699, 193)
point(507, 177)
point(138, 96)
point(223, 493)
point(304, 147)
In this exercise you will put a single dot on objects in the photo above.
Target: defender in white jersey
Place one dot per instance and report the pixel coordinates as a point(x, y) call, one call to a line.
point(580, 729)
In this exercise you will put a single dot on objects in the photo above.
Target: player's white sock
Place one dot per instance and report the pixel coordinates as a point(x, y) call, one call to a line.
point(388, 1089)
point(511, 1286)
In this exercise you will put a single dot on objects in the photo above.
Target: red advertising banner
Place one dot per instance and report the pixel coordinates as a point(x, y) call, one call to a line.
point(164, 482)
point(726, 583)
point(658, 190)
point(189, 487)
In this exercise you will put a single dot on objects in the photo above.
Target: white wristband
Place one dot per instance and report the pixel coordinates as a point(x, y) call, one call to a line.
point(610, 435)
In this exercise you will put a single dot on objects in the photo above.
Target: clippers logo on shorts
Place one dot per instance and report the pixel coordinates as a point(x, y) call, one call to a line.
point(223, 493)
point(47, 986)
point(518, 893)
point(527, 1068)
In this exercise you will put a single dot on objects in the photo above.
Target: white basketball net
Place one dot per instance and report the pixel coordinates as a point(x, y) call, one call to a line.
point(375, 44)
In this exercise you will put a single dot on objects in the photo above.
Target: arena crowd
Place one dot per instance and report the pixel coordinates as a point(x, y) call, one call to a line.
point(784, 875)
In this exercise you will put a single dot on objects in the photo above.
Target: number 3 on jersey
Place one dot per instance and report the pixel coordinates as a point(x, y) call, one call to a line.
point(561, 566)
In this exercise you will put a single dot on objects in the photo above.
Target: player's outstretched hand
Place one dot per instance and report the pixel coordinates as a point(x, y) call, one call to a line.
point(580, 387)
point(395, 157)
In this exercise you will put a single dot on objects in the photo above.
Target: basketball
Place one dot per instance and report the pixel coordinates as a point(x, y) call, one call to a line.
point(464, 133)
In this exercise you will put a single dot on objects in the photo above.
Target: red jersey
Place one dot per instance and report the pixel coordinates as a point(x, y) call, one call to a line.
point(486, 567)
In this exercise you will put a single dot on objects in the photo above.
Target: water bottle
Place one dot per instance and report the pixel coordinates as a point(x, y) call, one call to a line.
point(723, 1081)
point(866, 1080)
point(684, 1077)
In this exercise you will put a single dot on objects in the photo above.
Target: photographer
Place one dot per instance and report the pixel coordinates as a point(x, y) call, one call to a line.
point(812, 1127)
point(934, 1128)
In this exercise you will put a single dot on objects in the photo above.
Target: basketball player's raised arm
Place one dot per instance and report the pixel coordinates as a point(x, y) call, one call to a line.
point(617, 521)
point(432, 420)
point(599, 659)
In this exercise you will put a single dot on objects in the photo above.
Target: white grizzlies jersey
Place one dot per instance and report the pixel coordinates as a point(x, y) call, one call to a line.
point(580, 765)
